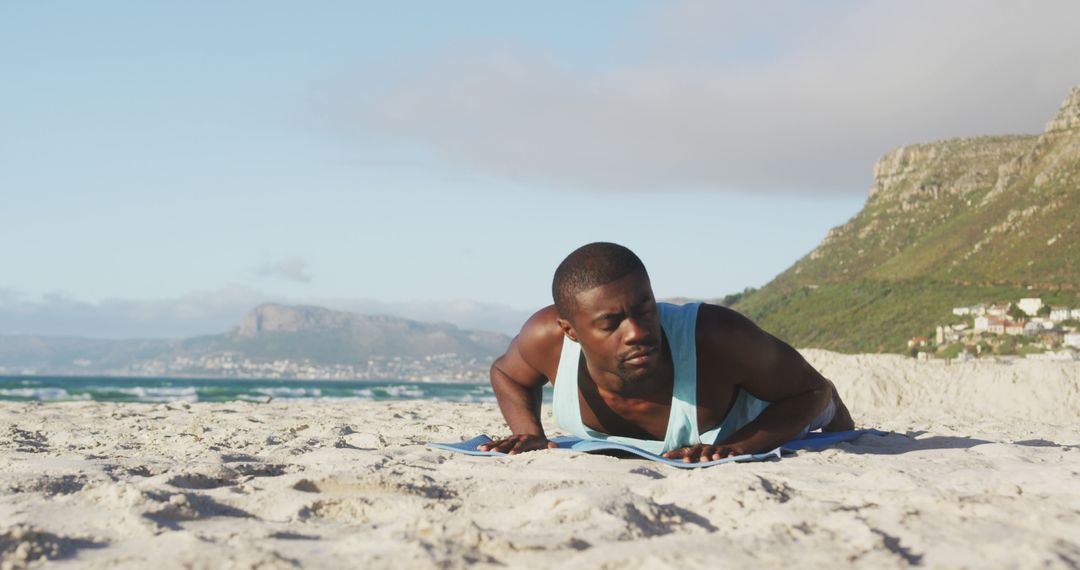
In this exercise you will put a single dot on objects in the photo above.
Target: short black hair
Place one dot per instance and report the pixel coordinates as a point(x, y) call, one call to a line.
point(588, 266)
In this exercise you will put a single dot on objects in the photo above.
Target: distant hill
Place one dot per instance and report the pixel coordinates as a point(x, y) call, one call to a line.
point(314, 336)
point(330, 337)
point(948, 223)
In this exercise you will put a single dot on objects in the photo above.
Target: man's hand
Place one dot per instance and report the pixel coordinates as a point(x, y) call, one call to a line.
point(518, 444)
point(703, 453)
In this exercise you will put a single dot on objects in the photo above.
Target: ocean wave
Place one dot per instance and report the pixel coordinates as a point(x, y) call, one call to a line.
point(285, 392)
point(151, 393)
point(164, 390)
point(401, 391)
point(42, 394)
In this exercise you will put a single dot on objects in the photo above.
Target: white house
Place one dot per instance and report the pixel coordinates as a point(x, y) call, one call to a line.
point(1058, 314)
point(1032, 328)
point(1015, 329)
point(992, 325)
point(961, 311)
point(981, 322)
point(945, 335)
point(1075, 313)
point(918, 341)
point(1072, 339)
point(1030, 305)
point(998, 310)
point(1046, 324)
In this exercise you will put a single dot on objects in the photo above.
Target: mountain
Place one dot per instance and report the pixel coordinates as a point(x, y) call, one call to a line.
point(948, 223)
point(271, 340)
point(332, 337)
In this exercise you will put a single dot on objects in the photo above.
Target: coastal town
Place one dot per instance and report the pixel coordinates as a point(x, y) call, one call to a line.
point(449, 367)
point(1028, 328)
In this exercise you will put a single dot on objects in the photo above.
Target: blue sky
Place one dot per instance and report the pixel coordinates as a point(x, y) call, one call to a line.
point(165, 167)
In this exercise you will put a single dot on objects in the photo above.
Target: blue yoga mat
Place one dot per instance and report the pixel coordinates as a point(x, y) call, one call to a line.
point(812, 442)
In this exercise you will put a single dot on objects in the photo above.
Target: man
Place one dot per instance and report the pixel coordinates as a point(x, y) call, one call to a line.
point(695, 382)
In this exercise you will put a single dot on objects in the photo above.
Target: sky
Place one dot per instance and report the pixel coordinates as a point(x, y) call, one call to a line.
point(165, 167)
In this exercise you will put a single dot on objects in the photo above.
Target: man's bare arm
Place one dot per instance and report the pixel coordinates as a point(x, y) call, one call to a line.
point(775, 372)
point(518, 385)
point(768, 369)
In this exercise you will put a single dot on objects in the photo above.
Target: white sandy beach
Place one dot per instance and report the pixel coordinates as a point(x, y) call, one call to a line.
point(982, 470)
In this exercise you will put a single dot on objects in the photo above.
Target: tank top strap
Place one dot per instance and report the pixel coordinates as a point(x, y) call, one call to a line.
point(565, 405)
point(679, 323)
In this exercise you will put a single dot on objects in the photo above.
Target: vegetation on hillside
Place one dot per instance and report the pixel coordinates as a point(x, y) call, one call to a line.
point(956, 222)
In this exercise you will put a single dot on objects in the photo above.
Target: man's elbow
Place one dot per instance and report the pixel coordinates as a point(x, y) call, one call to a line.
point(821, 394)
point(496, 375)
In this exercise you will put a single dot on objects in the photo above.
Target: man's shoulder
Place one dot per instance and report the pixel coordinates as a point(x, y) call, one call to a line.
point(542, 325)
point(718, 325)
point(540, 340)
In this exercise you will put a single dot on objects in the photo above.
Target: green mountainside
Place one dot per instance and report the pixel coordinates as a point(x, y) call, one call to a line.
point(950, 223)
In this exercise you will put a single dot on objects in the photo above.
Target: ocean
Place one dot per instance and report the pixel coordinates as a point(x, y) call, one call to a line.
point(111, 389)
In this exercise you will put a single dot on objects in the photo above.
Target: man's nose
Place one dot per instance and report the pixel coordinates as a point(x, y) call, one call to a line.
point(636, 332)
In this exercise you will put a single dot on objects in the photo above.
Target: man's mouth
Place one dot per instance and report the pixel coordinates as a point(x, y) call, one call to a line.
point(640, 357)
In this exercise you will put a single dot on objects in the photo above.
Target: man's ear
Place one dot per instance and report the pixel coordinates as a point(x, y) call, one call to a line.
point(567, 329)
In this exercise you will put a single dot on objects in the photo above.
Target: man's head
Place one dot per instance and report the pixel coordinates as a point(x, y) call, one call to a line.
point(590, 266)
point(606, 304)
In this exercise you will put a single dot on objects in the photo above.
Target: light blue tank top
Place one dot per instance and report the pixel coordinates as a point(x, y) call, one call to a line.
point(680, 324)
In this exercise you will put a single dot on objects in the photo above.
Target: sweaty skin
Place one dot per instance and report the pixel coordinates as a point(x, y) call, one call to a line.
point(625, 385)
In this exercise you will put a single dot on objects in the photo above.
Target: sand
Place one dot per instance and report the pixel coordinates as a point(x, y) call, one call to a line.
point(982, 470)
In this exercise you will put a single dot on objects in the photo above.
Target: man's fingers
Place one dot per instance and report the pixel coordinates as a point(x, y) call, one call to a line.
point(506, 445)
point(516, 444)
point(499, 445)
point(693, 454)
point(531, 444)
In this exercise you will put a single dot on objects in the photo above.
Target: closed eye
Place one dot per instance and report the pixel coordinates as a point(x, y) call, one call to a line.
point(610, 321)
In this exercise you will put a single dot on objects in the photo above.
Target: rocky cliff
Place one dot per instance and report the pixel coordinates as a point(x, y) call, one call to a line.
point(948, 222)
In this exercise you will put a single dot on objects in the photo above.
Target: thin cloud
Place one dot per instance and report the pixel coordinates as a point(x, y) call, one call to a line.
point(292, 269)
point(217, 311)
point(715, 96)
point(196, 313)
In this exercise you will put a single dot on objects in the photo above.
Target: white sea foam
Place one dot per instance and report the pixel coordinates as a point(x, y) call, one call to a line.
point(43, 394)
point(402, 391)
point(158, 393)
point(285, 392)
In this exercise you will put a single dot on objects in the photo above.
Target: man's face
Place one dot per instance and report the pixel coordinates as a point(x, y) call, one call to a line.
point(618, 327)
